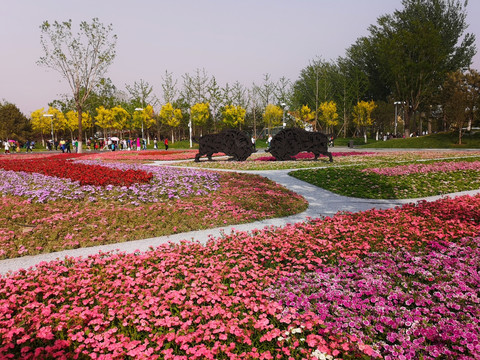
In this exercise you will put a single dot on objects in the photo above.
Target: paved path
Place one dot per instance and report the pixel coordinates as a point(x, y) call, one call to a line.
point(321, 203)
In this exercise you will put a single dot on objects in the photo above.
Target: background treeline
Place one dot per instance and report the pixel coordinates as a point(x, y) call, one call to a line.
point(410, 75)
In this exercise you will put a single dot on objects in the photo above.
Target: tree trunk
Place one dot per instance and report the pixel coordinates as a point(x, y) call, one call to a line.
point(79, 110)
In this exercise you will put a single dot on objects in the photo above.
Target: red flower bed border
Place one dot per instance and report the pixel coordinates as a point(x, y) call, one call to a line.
point(61, 166)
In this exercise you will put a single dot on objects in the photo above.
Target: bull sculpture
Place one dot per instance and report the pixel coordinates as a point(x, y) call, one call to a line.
point(233, 143)
point(289, 142)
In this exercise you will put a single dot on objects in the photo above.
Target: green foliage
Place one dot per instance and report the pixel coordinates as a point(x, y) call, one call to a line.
point(446, 140)
point(13, 124)
point(351, 181)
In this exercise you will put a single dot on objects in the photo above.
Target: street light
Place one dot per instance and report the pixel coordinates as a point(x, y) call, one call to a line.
point(140, 109)
point(396, 116)
point(285, 108)
point(51, 123)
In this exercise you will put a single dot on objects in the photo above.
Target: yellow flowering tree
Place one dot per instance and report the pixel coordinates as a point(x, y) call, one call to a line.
point(120, 118)
point(143, 119)
point(328, 115)
point(40, 123)
point(272, 116)
point(200, 113)
point(104, 119)
point(362, 115)
point(306, 115)
point(233, 115)
point(171, 117)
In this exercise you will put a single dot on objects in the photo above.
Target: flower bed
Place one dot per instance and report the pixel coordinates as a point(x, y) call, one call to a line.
point(397, 182)
point(164, 182)
point(188, 301)
point(405, 304)
point(308, 155)
point(152, 155)
point(86, 174)
point(28, 228)
point(425, 168)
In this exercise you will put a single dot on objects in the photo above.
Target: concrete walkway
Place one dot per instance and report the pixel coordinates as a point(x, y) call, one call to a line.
point(321, 203)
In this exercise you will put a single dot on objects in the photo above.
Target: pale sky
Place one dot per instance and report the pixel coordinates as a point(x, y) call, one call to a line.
point(232, 40)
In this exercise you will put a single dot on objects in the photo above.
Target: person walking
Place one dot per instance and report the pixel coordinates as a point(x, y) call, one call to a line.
point(138, 144)
point(6, 145)
point(67, 147)
point(166, 143)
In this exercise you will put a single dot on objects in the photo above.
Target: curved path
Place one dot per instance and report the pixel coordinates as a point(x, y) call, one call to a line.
point(321, 203)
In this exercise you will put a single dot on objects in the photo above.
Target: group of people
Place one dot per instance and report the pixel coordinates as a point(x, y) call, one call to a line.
point(66, 145)
point(124, 144)
point(13, 145)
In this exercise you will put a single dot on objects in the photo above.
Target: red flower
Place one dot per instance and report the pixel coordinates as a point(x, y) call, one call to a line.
point(61, 166)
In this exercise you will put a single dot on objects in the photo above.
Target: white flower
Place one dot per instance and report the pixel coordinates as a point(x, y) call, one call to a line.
point(321, 356)
point(296, 331)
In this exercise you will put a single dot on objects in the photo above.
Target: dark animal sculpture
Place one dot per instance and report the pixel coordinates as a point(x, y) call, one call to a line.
point(289, 142)
point(233, 143)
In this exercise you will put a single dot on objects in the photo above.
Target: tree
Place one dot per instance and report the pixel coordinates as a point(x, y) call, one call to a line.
point(362, 115)
point(283, 90)
point(141, 94)
point(13, 124)
point(82, 59)
point(328, 114)
point(353, 86)
point(315, 85)
point(417, 46)
point(195, 88)
point(306, 115)
point(143, 118)
point(461, 93)
point(169, 87)
point(214, 99)
point(272, 116)
point(170, 116)
point(40, 124)
point(194, 92)
point(253, 103)
point(233, 115)
point(199, 113)
point(266, 91)
point(105, 119)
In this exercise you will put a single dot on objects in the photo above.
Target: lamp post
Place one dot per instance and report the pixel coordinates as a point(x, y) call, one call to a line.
point(140, 109)
point(51, 124)
point(284, 106)
point(396, 115)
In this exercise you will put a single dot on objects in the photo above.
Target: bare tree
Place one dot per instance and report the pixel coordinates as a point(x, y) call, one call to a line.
point(266, 91)
point(81, 59)
point(169, 87)
point(141, 94)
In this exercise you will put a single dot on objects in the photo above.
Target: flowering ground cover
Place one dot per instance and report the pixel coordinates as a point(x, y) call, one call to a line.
point(165, 183)
point(400, 181)
point(62, 166)
point(56, 217)
point(222, 300)
point(263, 161)
point(143, 156)
point(406, 304)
